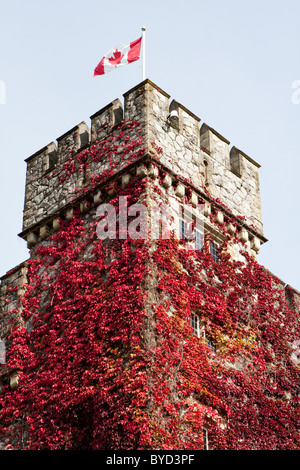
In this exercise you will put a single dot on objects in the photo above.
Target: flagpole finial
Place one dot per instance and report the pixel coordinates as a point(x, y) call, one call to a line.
point(143, 52)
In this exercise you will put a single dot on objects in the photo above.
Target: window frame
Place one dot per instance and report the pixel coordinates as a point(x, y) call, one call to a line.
point(201, 235)
point(195, 323)
point(195, 234)
point(214, 250)
point(197, 326)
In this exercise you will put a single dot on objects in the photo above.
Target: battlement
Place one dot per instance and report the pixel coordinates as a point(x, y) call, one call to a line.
point(197, 154)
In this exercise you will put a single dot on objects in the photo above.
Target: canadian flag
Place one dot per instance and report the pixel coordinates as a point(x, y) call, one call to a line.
point(119, 56)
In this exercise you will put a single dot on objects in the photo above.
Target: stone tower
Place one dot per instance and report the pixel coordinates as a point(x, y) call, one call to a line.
point(200, 157)
point(157, 342)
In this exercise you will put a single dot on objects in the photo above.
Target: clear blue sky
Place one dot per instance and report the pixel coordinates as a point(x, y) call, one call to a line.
point(231, 63)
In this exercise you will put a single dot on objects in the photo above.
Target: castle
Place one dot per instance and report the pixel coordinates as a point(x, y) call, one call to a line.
point(158, 343)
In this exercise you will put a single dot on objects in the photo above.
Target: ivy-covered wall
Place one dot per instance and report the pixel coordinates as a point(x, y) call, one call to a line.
point(141, 343)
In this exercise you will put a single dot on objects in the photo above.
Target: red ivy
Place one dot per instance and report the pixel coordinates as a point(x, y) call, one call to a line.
point(107, 357)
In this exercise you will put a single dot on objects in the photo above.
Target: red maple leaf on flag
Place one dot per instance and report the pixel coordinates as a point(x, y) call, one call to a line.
point(116, 58)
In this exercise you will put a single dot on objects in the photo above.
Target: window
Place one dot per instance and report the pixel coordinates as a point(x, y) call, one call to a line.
point(209, 342)
point(182, 229)
point(199, 330)
point(214, 251)
point(195, 324)
point(199, 239)
point(187, 233)
point(185, 229)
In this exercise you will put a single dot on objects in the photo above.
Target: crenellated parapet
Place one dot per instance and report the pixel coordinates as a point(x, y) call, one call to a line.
point(190, 151)
point(105, 118)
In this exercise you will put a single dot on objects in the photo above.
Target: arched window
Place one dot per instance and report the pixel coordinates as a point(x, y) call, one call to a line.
point(2, 352)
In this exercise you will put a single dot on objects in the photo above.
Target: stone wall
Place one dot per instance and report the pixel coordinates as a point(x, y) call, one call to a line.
point(12, 288)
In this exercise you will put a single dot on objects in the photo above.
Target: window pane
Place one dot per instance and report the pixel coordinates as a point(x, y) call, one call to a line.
point(199, 238)
point(195, 323)
point(214, 251)
point(181, 228)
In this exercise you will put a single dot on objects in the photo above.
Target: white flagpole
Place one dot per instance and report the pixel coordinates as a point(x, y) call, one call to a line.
point(143, 51)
